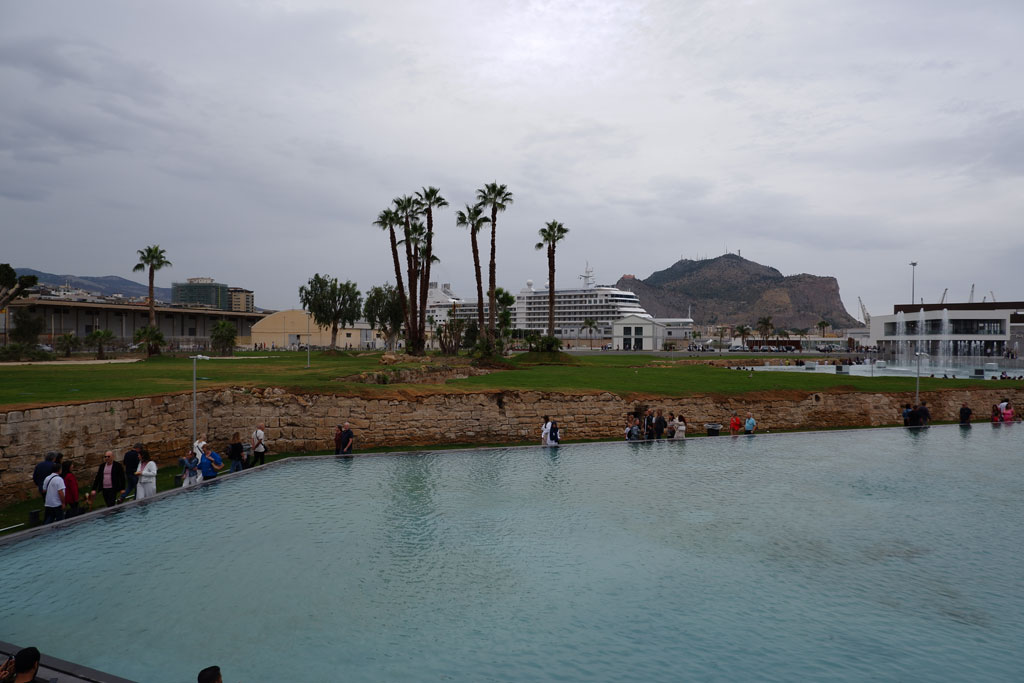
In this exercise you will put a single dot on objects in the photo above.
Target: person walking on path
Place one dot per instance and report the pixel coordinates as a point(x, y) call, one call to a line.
point(236, 453)
point(924, 414)
point(545, 429)
point(965, 414)
point(71, 492)
point(750, 426)
point(1008, 415)
point(44, 469)
point(259, 444)
point(131, 466)
point(210, 463)
point(190, 470)
point(110, 480)
point(53, 498)
point(347, 440)
point(146, 474)
point(659, 425)
point(735, 424)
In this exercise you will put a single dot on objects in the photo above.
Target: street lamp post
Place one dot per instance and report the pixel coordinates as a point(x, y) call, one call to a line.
point(913, 272)
point(194, 359)
point(308, 340)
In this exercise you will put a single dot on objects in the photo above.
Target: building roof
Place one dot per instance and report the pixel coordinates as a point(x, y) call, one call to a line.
point(141, 308)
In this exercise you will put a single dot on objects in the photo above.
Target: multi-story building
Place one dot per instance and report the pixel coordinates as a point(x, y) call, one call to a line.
point(201, 292)
point(950, 330)
point(241, 299)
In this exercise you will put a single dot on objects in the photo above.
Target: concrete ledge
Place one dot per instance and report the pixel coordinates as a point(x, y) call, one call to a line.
point(54, 669)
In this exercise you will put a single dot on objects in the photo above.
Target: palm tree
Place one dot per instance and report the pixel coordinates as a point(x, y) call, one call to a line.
point(474, 219)
point(498, 198)
point(822, 325)
point(66, 343)
point(152, 337)
point(408, 212)
point(99, 339)
point(427, 199)
point(590, 325)
point(389, 219)
point(550, 235)
point(154, 258)
point(765, 327)
point(743, 332)
point(803, 333)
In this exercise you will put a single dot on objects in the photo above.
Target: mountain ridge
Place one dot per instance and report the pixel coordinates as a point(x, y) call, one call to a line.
point(106, 285)
point(732, 290)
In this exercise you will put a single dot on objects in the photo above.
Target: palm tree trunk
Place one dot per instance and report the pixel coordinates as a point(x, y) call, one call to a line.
point(415, 342)
point(479, 282)
point(551, 289)
point(398, 270)
point(425, 280)
point(152, 303)
point(490, 290)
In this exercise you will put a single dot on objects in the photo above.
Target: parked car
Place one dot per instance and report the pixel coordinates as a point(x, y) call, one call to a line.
point(737, 348)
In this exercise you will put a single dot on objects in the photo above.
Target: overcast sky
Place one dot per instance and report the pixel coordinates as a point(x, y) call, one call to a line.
point(256, 141)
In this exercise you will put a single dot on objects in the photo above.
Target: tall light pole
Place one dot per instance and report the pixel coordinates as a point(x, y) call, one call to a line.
point(194, 359)
point(308, 340)
point(913, 271)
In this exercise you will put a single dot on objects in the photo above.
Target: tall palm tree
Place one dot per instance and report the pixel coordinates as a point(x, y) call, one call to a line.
point(498, 198)
point(590, 325)
point(822, 325)
point(154, 258)
point(550, 235)
point(389, 219)
point(743, 332)
point(427, 199)
point(473, 218)
point(407, 211)
point(765, 327)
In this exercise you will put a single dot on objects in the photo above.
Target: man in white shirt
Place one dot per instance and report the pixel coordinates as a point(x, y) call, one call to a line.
point(53, 491)
point(259, 446)
point(544, 431)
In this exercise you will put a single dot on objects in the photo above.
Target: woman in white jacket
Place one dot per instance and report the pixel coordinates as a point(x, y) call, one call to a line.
point(147, 476)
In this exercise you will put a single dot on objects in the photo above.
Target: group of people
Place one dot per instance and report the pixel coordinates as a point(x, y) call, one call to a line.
point(134, 475)
point(549, 432)
point(652, 425)
point(23, 667)
point(55, 478)
point(1002, 412)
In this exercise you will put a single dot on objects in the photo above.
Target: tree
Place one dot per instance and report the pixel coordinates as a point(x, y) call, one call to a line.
point(383, 310)
point(222, 336)
point(154, 258)
point(803, 333)
point(449, 334)
point(12, 285)
point(331, 303)
point(590, 325)
point(723, 331)
point(473, 218)
point(152, 337)
point(389, 219)
point(822, 326)
point(765, 327)
point(427, 199)
point(67, 343)
point(550, 235)
point(497, 197)
point(743, 332)
point(406, 208)
point(99, 339)
point(27, 327)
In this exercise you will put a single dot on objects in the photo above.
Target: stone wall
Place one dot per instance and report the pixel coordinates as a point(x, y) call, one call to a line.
point(305, 422)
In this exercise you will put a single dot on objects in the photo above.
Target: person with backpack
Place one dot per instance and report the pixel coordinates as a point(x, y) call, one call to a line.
point(259, 445)
point(553, 437)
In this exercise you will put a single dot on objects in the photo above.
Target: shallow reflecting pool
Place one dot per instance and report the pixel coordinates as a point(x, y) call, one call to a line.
point(875, 554)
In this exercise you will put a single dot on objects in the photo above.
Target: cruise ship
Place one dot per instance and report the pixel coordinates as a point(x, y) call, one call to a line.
point(602, 303)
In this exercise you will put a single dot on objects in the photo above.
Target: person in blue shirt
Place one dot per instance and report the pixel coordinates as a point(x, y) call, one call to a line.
point(750, 426)
point(210, 463)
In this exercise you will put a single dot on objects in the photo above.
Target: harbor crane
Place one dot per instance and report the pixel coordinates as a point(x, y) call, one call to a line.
point(993, 295)
point(864, 312)
point(970, 299)
point(944, 292)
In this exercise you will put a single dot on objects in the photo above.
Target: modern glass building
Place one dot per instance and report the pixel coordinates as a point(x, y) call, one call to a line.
point(203, 292)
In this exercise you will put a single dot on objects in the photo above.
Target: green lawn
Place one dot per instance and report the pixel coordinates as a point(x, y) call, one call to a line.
point(620, 374)
point(55, 384)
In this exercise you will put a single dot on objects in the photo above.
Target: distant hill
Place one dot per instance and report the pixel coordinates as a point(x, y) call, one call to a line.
point(104, 284)
point(731, 290)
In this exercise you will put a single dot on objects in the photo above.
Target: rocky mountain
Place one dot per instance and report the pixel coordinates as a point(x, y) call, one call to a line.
point(730, 290)
point(106, 285)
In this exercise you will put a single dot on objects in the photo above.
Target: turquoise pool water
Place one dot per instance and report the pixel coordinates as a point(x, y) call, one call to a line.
point(866, 555)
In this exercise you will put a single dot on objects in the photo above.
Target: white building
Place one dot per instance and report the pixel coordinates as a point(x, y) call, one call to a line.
point(643, 333)
point(950, 330)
